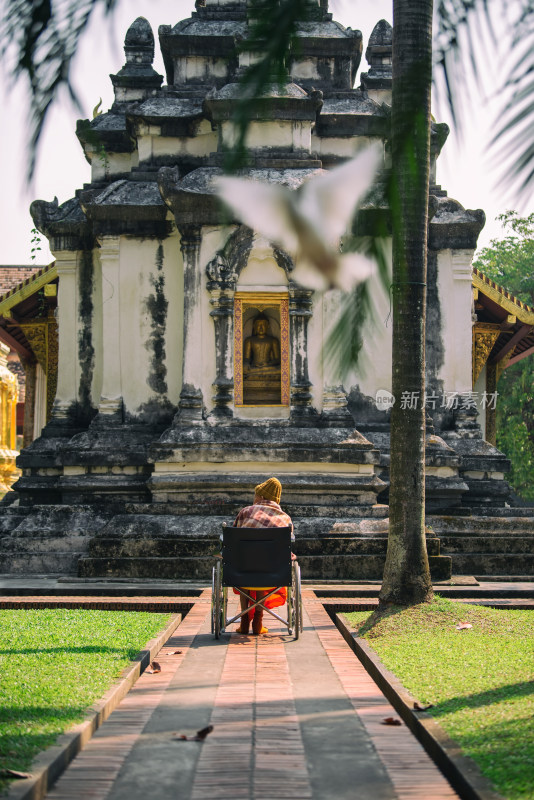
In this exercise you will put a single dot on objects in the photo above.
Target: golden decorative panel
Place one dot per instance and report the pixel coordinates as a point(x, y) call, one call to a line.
point(43, 339)
point(485, 334)
point(261, 349)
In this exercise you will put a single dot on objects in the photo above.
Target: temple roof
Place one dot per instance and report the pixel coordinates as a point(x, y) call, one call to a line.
point(28, 302)
point(510, 317)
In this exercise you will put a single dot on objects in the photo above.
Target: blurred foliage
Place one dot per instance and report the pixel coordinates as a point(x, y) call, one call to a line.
point(38, 42)
point(509, 262)
point(465, 42)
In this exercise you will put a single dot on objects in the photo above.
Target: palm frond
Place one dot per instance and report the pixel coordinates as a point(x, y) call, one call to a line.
point(457, 52)
point(344, 341)
point(40, 40)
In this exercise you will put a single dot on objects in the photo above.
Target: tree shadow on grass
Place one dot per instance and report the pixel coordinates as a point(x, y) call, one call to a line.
point(18, 748)
point(508, 691)
point(380, 613)
point(502, 748)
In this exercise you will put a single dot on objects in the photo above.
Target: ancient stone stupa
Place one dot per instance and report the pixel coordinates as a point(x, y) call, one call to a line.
point(190, 362)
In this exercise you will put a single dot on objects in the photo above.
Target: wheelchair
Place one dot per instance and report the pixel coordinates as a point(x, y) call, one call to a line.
point(258, 558)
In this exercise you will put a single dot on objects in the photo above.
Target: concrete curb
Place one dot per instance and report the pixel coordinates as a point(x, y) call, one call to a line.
point(460, 770)
point(52, 762)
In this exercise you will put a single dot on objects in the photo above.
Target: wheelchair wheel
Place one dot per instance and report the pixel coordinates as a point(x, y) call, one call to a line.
point(216, 601)
point(297, 600)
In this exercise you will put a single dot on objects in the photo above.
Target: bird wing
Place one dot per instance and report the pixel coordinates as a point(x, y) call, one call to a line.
point(352, 269)
point(263, 207)
point(329, 201)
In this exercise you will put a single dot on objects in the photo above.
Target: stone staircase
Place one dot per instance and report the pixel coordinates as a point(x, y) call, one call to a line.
point(487, 545)
point(168, 546)
point(331, 544)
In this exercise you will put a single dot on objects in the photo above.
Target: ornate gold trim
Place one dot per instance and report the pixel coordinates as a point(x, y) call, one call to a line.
point(485, 334)
point(27, 288)
point(42, 337)
point(261, 301)
point(504, 299)
point(502, 364)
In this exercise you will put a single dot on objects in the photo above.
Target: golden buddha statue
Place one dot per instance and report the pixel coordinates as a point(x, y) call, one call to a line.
point(261, 365)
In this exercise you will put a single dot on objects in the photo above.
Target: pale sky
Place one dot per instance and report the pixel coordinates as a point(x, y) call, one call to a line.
point(466, 170)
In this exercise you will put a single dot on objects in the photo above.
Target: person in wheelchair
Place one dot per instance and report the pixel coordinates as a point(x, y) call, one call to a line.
point(265, 512)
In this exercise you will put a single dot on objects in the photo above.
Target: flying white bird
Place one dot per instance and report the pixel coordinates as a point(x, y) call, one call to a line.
point(308, 223)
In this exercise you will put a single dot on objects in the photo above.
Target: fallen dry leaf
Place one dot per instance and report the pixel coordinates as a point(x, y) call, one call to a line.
point(418, 707)
point(391, 721)
point(463, 626)
point(13, 773)
point(201, 735)
point(154, 667)
point(177, 653)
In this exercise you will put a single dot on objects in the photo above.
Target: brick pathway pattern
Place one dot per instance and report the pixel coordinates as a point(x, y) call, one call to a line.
point(257, 750)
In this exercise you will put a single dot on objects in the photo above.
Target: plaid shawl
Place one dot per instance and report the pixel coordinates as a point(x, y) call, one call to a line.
point(265, 514)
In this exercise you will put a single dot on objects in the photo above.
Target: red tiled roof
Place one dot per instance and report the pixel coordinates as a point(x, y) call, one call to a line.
point(12, 275)
point(32, 274)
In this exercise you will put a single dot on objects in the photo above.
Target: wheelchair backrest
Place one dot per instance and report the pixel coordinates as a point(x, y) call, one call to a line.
point(256, 557)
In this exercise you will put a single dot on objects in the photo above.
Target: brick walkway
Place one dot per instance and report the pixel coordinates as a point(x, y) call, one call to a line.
point(291, 719)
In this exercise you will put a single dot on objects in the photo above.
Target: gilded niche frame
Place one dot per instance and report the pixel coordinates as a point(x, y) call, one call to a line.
point(246, 306)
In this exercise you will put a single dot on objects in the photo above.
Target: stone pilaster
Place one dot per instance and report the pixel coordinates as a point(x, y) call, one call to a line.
point(300, 311)
point(111, 404)
point(222, 280)
point(335, 411)
point(191, 406)
point(461, 305)
point(66, 265)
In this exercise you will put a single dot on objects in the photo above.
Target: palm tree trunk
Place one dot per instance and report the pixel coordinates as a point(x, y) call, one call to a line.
point(406, 575)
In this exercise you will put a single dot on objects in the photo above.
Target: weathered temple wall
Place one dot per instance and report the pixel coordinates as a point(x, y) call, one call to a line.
point(456, 303)
point(149, 329)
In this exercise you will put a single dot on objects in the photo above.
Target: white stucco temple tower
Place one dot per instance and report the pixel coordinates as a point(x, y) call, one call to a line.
point(158, 432)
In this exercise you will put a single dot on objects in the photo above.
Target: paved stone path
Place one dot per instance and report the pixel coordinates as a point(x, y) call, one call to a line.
point(291, 719)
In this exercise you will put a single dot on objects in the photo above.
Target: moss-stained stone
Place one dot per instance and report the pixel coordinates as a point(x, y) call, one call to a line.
point(157, 305)
point(86, 350)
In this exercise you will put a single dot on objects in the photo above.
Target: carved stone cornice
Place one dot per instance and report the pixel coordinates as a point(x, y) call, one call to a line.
point(66, 225)
point(454, 227)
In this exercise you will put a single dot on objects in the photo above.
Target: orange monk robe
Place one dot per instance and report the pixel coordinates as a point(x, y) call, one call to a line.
point(275, 600)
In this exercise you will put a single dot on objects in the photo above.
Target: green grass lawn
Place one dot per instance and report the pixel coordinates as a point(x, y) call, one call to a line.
point(480, 680)
point(54, 663)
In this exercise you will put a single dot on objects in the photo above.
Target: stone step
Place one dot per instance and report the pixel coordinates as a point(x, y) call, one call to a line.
point(50, 543)
point(181, 547)
point(486, 544)
point(342, 547)
point(490, 564)
point(10, 519)
point(362, 567)
point(326, 567)
point(488, 526)
point(198, 568)
point(507, 511)
point(191, 526)
point(228, 510)
point(61, 520)
point(39, 563)
point(153, 547)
